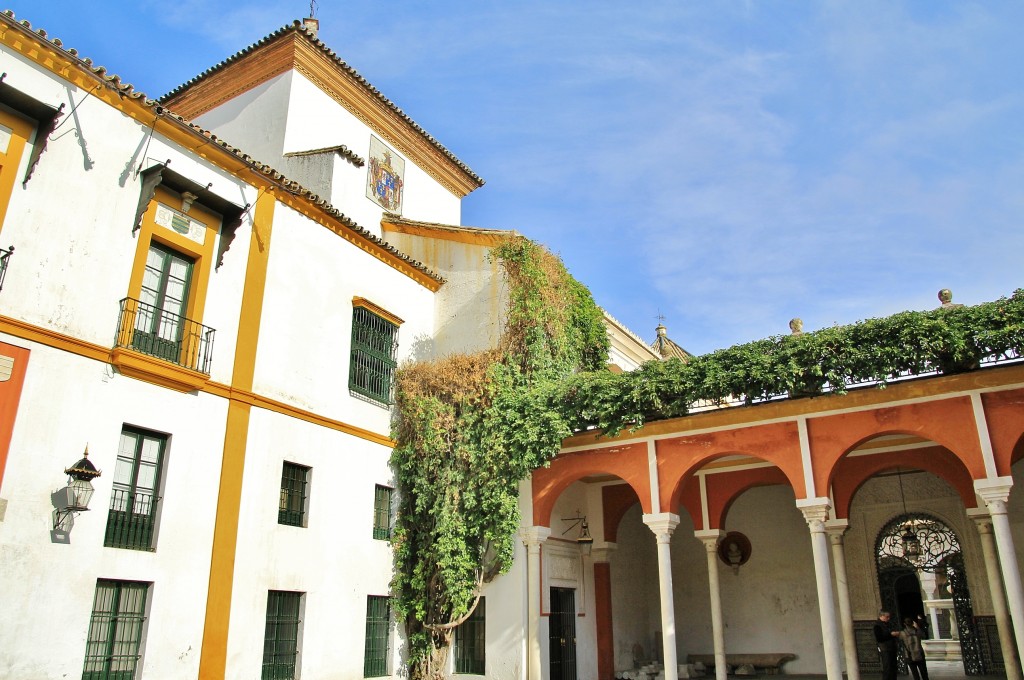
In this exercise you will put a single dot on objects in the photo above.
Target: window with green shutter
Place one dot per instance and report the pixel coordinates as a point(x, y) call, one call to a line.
point(131, 520)
point(115, 630)
point(378, 628)
point(281, 640)
point(470, 641)
point(294, 484)
point(382, 513)
point(372, 360)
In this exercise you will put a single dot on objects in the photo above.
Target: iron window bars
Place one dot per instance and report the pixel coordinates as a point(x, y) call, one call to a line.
point(373, 363)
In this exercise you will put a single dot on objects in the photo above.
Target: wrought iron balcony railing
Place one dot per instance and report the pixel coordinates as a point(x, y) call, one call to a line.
point(131, 520)
point(5, 255)
point(150, 330)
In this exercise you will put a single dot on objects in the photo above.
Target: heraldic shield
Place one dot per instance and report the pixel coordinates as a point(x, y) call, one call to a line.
point(385, 178)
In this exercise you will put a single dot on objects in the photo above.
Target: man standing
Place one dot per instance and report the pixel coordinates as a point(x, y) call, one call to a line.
point(886, 639)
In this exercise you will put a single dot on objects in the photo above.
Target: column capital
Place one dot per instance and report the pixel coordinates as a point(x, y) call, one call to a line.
point(995, 491)
point(532, 536)
point(815, 511)
point(710, 537)
point(982, 517)
point(662, 523)
point(602, 551)
point(837, 526)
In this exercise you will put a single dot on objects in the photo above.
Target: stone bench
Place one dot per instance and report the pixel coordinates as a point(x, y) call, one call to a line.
point(770, 663)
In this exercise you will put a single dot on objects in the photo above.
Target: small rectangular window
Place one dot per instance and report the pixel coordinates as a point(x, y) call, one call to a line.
point(378, 627)
point(382, 513)
point(131, 521)
point(470, 642)
point(294, 483)
point(281, 640)
point(115, 630)
point(372, 359)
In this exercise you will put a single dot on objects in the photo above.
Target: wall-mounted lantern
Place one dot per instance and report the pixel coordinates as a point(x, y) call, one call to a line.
point(585, 541)
point(75, 497)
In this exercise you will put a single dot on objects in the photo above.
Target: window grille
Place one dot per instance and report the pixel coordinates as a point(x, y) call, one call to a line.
point(382, 513)
point(470, 642)
point(115, 630)
point(372, 365)
point(292, 508)
point(131, 520)
point(378, 624)
point(281, 641)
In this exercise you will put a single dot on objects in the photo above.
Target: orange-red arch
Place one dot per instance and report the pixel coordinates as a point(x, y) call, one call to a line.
point(853, 471)
point(1004, 415)
point(679, 458)
point(628, 462)
point(948, 422)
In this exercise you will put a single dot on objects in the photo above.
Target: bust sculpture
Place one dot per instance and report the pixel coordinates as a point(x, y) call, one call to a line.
point(796, 326)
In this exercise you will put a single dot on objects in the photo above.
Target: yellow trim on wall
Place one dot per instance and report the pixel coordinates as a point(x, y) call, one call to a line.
point(191, 140)
point(88, 350)
point(214, 653)
point(10, 161)
point(213, 656)
point(376, 309)
point(444, 232)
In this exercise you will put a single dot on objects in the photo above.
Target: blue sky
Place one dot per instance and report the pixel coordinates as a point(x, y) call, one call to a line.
point(729, 165)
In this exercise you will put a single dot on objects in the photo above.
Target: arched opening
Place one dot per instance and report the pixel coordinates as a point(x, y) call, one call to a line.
point(921, 572)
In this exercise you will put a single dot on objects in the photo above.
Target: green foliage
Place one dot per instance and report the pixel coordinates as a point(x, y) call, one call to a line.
point(832, 359)
point(469, 429)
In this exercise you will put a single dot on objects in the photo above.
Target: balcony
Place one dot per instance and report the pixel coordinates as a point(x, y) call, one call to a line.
point(5, 255)
point(161, 347)
point(131, 520)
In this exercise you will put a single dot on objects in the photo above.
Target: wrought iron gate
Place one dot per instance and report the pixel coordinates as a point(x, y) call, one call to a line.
point(914, 543)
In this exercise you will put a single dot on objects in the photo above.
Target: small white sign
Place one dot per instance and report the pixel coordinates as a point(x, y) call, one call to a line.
point(176, 221)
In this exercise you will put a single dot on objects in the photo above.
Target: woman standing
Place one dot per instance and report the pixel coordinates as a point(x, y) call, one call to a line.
point(910, 636)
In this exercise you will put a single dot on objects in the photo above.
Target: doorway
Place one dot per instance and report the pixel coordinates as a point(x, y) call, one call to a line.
point(562, 634)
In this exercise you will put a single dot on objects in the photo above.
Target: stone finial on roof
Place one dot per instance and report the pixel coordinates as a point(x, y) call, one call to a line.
point(946, 298)
point(665, 347)
point(796, 325)
point(312, 25)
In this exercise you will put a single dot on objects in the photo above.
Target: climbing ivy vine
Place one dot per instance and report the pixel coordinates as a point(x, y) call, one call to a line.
point(470, 428)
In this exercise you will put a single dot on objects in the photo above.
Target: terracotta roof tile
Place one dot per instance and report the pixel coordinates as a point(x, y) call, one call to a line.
point(298, 27)
point(291, 186)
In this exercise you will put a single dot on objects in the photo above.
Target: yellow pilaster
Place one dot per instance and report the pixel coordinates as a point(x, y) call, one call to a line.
point(213, 658)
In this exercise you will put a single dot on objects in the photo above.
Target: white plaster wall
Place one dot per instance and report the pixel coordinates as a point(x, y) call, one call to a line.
point(306, 328)
point(315, 121)
point(334, 559)
point(771, 605)
point(636, 614)
point(471, 305)
point(68, 402)
point(73, 257)
point(255, 120)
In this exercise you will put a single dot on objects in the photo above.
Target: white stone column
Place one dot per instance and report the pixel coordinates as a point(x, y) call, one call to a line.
point(836, 528)
point(711, 538)
point(995, 582)
point(533, 538)
point(815, 512)
point(995, 492)
point(663, 524)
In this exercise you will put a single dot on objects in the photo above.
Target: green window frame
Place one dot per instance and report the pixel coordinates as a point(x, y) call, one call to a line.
point(378, 636)
point(372, 361)
point(294, 493)
point(471, 641)
point(131, 519)
point(112, 646)
point(382, 512)
point(281, 639)
point(160, 319)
